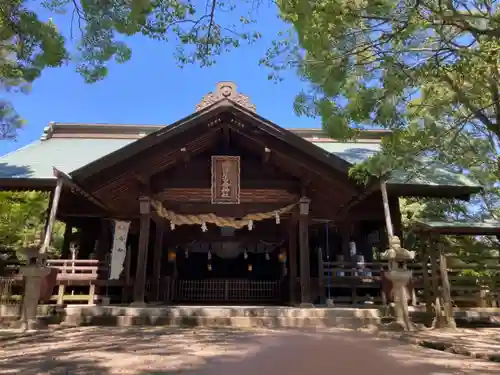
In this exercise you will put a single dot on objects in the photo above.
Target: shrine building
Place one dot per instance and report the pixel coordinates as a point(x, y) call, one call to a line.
point(222, 206)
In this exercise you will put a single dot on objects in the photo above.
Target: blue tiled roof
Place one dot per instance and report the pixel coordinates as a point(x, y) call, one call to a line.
point(69, 154)
point(37, 159)
point(433, 173)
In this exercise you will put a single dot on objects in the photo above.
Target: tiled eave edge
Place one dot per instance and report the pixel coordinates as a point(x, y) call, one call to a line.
point(27, 184)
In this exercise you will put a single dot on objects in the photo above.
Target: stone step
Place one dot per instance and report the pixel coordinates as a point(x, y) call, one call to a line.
point(237, 316)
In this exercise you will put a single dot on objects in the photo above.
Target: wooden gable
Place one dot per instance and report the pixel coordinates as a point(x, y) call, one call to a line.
point(173, 164)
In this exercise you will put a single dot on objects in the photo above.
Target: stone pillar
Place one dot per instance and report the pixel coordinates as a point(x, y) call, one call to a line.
point(142, 252)
point(305, 270)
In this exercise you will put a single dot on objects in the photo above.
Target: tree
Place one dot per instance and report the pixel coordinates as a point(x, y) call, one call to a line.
point(29, 45)
point(22, 220)
point(426, 69)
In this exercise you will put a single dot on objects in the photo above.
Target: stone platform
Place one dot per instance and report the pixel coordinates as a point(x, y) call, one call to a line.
point(234, 316)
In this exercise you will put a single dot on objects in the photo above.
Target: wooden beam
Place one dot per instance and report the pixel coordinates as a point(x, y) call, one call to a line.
point(68, 181)
point(142, 162)
point(185, 155)
point(188, 183)
point(305, 182)
point(266, 155)
point(224, 210)
point(144, 183)
point(326, 173)
point(226, 137)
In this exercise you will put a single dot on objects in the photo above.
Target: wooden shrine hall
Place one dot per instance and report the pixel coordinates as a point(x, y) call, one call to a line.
point(222, 206)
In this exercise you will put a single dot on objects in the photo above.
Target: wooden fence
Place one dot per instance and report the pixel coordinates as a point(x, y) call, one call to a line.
point(227, 291)
point(360, 283)
point(82, 281)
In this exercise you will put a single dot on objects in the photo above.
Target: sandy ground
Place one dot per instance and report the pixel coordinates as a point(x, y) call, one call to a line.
point(479, 342)
point(155, 351)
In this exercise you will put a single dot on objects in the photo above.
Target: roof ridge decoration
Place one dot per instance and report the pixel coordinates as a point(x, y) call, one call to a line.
point(226, 90)
point(48, 131)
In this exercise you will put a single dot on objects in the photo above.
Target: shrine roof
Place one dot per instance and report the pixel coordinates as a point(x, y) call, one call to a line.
point(70, 147)
point(487, 227)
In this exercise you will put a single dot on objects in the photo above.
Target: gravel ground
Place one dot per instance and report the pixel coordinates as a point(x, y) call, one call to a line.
point(168, 351)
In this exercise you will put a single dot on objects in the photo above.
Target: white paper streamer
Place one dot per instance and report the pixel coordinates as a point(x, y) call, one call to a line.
point(118, 251)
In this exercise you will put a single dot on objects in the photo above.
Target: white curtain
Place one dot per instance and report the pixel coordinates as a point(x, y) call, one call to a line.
point(119, 249)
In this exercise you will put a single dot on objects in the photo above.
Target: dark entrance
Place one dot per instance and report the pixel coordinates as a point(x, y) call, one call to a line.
point(229, 272)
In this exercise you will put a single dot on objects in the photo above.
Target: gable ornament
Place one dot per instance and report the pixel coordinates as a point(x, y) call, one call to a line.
point(226, 90)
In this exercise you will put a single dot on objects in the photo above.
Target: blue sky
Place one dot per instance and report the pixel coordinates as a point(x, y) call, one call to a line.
point(152, 89)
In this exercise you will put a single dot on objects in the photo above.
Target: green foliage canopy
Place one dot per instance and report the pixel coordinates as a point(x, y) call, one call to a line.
point(22, 220)
point(99, 28)
point(426, 69)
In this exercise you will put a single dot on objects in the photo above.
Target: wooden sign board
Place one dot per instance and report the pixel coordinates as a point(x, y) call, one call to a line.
point(225, 179)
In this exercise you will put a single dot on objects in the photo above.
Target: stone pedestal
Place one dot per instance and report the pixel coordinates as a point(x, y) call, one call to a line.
point(400, 278)
point(33, 275)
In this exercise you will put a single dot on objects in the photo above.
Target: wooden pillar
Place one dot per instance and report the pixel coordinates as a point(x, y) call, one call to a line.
point(103, 244)
point(321, 277)
point(345, 233)
point(68, 231)
point(434, 277)
point(395, 212)
point(447, 307)
point(142, 252)
point(126, 276)
point(292, 259)
point(46, 213)
point(424, 258)
point(52, 216)
point(305, 271)
point(159, 233)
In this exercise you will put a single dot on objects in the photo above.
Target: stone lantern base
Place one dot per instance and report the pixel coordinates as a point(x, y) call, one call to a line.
point(33, 276)
point(400, 278)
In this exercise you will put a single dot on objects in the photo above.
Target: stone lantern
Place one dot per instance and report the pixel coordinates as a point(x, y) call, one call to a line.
point(33, 273)
point(399, 275)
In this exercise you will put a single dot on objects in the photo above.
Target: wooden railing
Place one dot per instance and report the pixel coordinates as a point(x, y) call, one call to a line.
point(79, 281)
point(11, 290)
point(363, 283)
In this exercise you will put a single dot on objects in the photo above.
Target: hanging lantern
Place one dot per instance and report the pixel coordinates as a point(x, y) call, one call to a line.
point(172, 256)
point(245, 254)
point(250, 268)
point(277, 217)
point(250, 224)
point(267, 255)
point(204, 227)
point(209, 266)
point(282, 257)
point(172, 225)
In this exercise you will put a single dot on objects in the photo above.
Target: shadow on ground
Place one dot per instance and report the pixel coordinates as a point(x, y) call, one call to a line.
point(172, 351)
